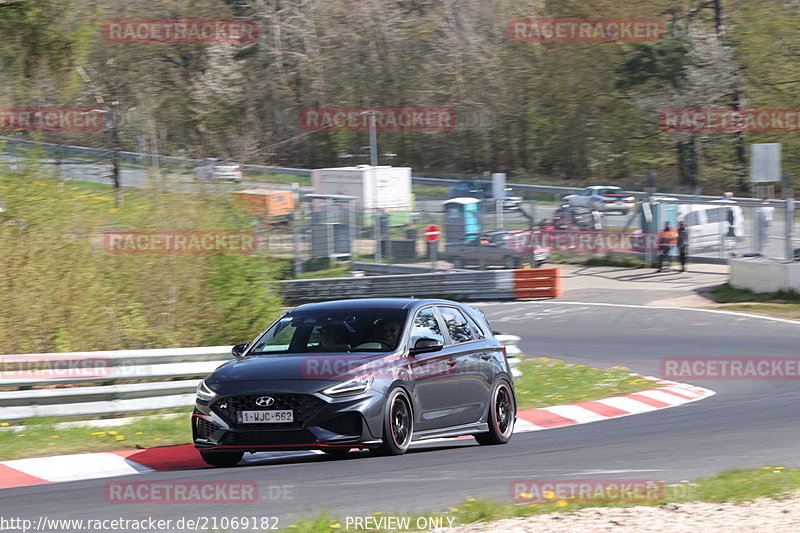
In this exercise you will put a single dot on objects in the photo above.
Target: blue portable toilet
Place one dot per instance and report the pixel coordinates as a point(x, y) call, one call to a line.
point(462, 221)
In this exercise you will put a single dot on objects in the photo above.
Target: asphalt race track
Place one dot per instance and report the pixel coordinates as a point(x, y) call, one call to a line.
point(746, 424)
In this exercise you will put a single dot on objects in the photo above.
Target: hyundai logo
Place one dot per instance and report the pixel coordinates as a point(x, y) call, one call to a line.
point(265, 401)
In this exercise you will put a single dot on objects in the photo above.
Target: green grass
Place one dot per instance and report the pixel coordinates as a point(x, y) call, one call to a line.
point(278, 178)
point(735, 486)
point(546, 381)
point(41, 437)
point(728, 294)
point(333, 272)
point(783, 304)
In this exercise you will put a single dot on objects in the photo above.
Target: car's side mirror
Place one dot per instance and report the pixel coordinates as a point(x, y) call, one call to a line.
point(426, 345)
point(239, 349)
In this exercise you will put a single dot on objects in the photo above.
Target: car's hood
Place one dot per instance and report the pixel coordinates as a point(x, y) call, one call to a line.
point(325, 367)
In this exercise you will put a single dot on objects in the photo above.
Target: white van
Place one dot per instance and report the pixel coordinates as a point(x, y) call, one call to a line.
point(711, 225)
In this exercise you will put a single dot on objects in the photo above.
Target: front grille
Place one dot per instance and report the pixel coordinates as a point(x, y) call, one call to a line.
point(205, 428)
point(303, 405)
point(346, 424)
point(265, 438)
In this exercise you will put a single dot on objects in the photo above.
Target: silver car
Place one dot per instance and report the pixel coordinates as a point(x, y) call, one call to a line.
point(219, 170)
point(602, 198)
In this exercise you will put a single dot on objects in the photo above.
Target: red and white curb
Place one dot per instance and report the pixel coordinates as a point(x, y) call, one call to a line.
point(668, 394)
point(34, 471)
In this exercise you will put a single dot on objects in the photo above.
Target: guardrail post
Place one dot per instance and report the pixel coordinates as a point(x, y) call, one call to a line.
point(513, 352)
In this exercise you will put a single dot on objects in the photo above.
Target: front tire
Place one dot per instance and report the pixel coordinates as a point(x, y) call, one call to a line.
point(398, 424)
point(221, 459)
point(458, 262)
point(502, 414)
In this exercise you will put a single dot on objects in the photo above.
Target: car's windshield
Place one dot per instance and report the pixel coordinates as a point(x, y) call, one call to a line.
point(368, 330)
point(612, 190)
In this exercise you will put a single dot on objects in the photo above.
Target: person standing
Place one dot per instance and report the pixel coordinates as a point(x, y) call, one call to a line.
point(667, 238)
point(683, 244)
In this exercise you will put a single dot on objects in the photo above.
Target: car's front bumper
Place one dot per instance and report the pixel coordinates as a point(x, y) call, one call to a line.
point(320, 423)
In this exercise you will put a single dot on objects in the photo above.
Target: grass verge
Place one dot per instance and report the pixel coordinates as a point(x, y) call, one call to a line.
point(544, 382)
point(41, 437)
point(734, 486)
point(783, 304)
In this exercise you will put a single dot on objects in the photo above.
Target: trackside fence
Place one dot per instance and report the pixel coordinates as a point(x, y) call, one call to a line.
point(462, 285)
point(105, 383)
point(118, 383)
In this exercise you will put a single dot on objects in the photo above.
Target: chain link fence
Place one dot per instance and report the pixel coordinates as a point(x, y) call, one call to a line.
point(482, 234)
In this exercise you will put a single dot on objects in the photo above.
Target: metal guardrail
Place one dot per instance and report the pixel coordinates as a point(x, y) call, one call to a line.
point(87, 396)
point(383, 268)
point(119, 382)
point(483, 285)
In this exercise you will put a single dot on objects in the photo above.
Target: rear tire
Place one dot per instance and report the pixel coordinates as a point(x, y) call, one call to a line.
point(221, 459)
point(509, 262)
point(502, 414)
point(458, 262)
point(398, 424)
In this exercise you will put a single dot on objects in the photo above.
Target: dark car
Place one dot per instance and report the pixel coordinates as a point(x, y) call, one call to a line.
point(370, 373)
point(482, 190)
point(508, 249)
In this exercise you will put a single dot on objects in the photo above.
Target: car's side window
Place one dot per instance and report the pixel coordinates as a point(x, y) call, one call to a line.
point(692, 219)
point(426, 326)
point(476, 328)
point(716, 214)
point(458, 327)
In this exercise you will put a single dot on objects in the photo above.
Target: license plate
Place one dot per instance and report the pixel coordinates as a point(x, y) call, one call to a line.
point(265, 417)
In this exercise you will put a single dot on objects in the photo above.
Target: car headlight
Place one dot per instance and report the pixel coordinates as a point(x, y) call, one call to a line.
point(204, 392)
point(353, 386)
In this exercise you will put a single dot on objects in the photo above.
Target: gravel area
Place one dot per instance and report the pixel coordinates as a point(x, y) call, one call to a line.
point(762, 515)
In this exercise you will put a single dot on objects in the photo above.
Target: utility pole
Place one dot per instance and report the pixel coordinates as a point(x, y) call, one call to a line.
point(113, 123)
point(373, 158)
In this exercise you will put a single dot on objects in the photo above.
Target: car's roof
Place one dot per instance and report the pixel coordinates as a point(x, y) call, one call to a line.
point(370, 303)
point(604, 187)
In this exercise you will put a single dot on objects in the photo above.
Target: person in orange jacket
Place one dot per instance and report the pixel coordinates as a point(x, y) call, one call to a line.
point(667, 238)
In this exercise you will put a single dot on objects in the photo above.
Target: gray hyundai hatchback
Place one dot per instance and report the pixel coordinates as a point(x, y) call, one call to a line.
point(368, 373)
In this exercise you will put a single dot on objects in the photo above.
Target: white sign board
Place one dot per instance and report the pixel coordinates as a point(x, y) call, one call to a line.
point(499, 186)
point(382, 187)
point(765, 162)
